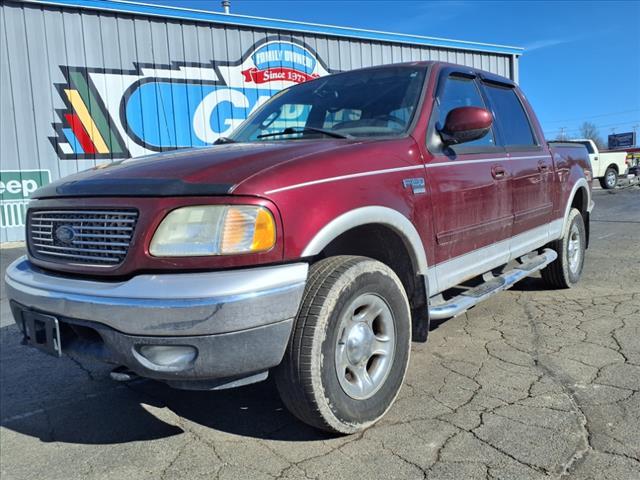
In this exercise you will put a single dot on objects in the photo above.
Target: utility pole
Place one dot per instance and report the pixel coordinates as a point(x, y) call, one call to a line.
point(635, 133)
point(562, 129)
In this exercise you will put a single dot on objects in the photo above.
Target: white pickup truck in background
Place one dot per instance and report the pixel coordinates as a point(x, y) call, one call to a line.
point(607, 166)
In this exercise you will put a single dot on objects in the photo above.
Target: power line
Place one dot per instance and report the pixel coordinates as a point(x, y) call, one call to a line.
point(595, 116)
point(562, 135)
point(565, 130)
point(618, 124)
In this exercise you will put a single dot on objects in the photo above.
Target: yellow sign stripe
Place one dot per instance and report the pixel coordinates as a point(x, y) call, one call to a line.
point(87, 121)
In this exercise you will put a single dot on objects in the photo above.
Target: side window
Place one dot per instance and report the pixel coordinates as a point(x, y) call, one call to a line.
point(462, 92)
point(510, 114)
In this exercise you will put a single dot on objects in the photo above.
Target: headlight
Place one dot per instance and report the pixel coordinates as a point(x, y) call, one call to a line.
point(214, 230)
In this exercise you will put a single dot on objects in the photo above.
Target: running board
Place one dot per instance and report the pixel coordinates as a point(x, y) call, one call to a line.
point(469, 298)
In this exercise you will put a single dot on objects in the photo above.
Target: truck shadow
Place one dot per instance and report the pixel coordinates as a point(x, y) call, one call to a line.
point(71, 401)
point(531, 284)
point(75, 401)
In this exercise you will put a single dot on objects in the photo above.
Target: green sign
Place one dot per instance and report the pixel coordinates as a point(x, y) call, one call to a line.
point(20, 184)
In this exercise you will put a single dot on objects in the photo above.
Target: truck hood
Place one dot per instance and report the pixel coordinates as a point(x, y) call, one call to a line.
point(204, 171)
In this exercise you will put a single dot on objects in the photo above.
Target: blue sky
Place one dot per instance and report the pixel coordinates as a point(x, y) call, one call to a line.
point(582, 59)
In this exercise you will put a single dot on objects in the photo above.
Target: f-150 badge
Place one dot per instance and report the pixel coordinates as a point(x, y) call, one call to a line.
point(417, 185)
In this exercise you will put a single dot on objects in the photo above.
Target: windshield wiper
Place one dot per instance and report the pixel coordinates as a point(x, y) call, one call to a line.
point(293, 130)
point(223, 140)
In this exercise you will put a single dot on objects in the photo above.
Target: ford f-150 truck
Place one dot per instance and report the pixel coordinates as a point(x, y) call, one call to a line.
point(316, 242)
point(607, 167)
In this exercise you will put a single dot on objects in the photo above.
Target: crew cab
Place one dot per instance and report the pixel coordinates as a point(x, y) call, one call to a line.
point(607, 166)
point(315, 243)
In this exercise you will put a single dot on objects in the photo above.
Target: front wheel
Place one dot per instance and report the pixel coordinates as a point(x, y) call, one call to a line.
point(610, 179)
point(349, 351)
point(565, 271)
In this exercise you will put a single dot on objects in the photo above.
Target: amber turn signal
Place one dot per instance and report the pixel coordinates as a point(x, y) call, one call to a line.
point(248, 229)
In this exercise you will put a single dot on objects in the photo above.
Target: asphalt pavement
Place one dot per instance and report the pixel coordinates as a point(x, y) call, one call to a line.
point(532, 384)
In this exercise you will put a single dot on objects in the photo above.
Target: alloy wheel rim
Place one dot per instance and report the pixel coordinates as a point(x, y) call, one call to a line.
point(574, 249)
point(611, 179)
point(365, 346)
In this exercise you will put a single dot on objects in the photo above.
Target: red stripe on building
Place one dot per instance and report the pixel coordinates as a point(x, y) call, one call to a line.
point(80, 133)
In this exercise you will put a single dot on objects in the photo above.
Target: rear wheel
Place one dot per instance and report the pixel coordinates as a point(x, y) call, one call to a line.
point(565, 271)
point(349, 350)
point(610, 179)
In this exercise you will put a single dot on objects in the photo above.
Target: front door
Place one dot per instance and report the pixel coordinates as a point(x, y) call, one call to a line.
point(470, 191)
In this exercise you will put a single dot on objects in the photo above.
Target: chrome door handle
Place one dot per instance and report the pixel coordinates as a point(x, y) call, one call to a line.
point(498, 171)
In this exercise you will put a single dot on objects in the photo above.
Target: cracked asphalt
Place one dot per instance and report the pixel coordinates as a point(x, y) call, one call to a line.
point(532, 384)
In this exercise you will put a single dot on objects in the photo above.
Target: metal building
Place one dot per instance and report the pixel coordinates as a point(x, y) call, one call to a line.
point(88, 81)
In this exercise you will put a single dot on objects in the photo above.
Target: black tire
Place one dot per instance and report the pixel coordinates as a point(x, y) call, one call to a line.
point(610, 179)
point(562, 273)
point(307, 378)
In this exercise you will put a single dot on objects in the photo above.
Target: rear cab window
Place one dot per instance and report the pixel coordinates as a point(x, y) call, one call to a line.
point(588, 146)
point(511, 117)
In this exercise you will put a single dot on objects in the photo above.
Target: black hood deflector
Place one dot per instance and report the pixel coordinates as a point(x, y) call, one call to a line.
point(130, 187)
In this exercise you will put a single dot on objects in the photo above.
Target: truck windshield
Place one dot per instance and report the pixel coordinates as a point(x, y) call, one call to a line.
point(366, 103)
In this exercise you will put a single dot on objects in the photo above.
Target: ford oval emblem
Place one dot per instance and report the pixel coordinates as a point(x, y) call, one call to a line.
point(65, 234)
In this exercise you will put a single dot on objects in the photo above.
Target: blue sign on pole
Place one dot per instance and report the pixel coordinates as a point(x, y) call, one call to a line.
point(622, 140)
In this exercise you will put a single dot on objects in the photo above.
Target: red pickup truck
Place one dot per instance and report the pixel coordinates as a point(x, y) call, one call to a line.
point(316, 242)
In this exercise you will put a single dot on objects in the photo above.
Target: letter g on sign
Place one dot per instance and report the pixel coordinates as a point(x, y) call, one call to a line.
point(202, 116)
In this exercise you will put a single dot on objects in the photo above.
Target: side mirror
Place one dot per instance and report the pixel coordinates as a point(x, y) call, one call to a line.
point(464, 124)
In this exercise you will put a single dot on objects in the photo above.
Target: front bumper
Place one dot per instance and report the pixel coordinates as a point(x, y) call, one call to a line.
point(238, 321)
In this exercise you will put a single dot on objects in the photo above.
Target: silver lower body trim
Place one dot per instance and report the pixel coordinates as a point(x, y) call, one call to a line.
point(466, 300)
point(452, 272)
point(184, 304)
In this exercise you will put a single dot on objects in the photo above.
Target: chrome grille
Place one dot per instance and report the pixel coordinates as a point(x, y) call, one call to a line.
point(98, 237)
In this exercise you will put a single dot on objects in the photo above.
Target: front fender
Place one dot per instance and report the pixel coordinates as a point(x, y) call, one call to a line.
point(372, 215)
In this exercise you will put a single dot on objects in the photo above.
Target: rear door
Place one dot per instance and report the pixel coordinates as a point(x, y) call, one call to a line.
point(469, 187)
point(530, 165)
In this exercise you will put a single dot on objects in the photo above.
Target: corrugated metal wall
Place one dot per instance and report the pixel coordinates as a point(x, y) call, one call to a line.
point(72, 83)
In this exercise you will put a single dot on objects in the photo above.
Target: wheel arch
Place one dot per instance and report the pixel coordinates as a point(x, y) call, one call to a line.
point(581, 186)
point(388, 236)
point(614, 167)
point(385, 216)
point(579, 198)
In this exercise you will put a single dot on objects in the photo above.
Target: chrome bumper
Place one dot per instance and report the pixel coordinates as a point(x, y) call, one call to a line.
point(186, 304)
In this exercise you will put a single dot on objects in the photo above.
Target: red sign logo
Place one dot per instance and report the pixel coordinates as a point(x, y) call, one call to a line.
point(276, 74)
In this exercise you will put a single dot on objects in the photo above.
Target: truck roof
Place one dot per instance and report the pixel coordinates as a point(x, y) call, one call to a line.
point(485, 75)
